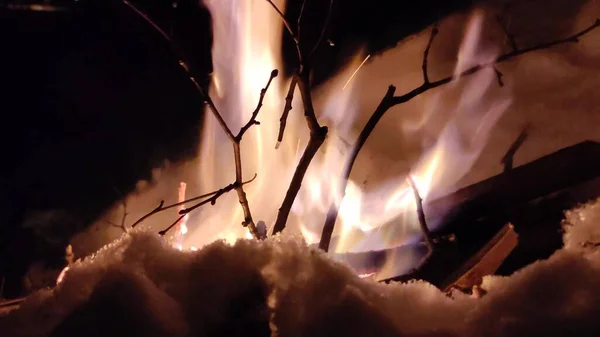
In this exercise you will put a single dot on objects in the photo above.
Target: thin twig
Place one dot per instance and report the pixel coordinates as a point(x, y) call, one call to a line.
point(300, 16)
point(285, 21)
point(259, 105)
point(166, 230)
point(332, 214)
point(212, 200)
point(286, 110)
point(389, 100)
point(235, 140)
point(248, 221)
point(318, 134)
point(161, 207)
point(434, 32)
point(290, 30)
point(421, 213)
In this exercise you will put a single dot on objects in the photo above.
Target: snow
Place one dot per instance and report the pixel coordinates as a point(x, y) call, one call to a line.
point(140, 286)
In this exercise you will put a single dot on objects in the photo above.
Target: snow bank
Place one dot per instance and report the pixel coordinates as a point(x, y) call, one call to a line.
point(140, 286)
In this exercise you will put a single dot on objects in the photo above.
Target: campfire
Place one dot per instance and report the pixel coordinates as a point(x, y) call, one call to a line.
point(289, 174)
point(293, 173)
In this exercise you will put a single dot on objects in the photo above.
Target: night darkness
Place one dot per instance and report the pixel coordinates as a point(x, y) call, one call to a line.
point(92, 99)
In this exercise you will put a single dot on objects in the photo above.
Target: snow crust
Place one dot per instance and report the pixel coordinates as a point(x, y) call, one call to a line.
point(140, 286)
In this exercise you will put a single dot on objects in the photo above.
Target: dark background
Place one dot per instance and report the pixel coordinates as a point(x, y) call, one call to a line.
point(92, 98)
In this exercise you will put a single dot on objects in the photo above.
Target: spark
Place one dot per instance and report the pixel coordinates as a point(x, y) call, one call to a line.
point(356, 71)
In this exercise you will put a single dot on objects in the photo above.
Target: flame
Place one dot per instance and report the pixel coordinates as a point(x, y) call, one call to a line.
point(247, 44)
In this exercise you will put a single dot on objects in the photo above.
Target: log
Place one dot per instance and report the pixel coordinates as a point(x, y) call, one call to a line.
point(477, 213)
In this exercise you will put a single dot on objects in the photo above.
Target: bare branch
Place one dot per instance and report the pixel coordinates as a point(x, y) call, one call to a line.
point(309, 152)
point(421, 213)
point(332, 214)
point(248, 221)
point(434, 32)
point(166, 230)
point(390, 100)
point(253, 120)
point(300, 16)
point(235, 140)
point(286, 110)
point(293, 35)
point(285, 21)
point(212, 200)
point(318, 134)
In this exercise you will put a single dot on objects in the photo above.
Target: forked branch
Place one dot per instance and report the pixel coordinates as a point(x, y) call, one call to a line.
point(212, 197)
point(248, 221)
point(390, 100)
point(212, 200)
point(235, 139)
point(318, 133)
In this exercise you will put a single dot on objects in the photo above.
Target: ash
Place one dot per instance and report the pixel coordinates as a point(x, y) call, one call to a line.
point(140, 286)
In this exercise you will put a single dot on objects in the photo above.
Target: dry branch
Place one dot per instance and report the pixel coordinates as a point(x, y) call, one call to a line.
point(235, 140)
point(421, 213)
point(432, 35)
point(248, 221)
point(286, 110)
point(389, 100)
point(318, 133)
point(161, 206)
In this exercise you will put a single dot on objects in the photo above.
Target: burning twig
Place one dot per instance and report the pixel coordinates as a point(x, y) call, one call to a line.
point(248, 221)
point(318, 133)
point(389, 100)
point(235, 140)
point(421, 214)
point(212, 200)
point(161, 206)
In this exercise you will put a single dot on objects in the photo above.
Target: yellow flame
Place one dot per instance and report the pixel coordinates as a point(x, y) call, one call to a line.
point(247, 44)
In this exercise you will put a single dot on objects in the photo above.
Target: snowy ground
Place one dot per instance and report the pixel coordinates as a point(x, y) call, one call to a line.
point(140, 286)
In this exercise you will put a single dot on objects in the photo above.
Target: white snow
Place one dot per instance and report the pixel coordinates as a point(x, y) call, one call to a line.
point(140, 286)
